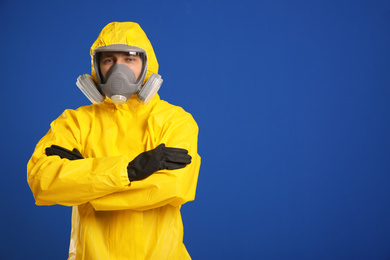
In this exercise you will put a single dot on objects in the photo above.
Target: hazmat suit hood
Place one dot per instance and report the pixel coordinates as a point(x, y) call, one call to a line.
point(130, 34)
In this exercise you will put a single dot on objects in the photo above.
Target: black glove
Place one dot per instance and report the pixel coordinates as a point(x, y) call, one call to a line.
point(63, 153)
point(159, 158)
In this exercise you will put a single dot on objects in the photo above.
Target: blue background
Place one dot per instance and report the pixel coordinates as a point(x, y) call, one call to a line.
point(292, 101)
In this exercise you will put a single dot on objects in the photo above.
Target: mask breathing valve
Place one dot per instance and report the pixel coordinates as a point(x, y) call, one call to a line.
point(118, 99)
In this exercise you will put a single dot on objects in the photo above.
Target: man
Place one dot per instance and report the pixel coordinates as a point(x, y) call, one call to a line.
point(125, 164)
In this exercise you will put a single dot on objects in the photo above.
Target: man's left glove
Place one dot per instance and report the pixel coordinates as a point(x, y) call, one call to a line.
point(63, 152)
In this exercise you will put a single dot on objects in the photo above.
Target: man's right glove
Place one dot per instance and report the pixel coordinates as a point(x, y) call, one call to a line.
point(160, 158)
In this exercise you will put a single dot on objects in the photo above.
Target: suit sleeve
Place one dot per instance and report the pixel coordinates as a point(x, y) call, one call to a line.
point(174, 187)
point(53, 180)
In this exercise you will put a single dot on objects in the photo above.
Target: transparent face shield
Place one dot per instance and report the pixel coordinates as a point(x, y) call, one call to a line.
point(119, 82)
point(129, 54)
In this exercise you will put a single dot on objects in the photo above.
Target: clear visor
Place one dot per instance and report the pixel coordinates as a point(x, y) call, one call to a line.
point(110, 54)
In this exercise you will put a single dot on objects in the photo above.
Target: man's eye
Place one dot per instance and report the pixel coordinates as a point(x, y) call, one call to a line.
point(107, 61)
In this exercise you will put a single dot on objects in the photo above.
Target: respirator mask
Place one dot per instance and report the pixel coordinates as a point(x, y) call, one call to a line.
point(120, 82)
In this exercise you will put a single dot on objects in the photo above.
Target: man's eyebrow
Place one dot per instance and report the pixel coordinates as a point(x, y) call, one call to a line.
point(107, 54)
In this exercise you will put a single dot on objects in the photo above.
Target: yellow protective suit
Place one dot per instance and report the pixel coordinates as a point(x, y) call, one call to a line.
point(113, 218)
